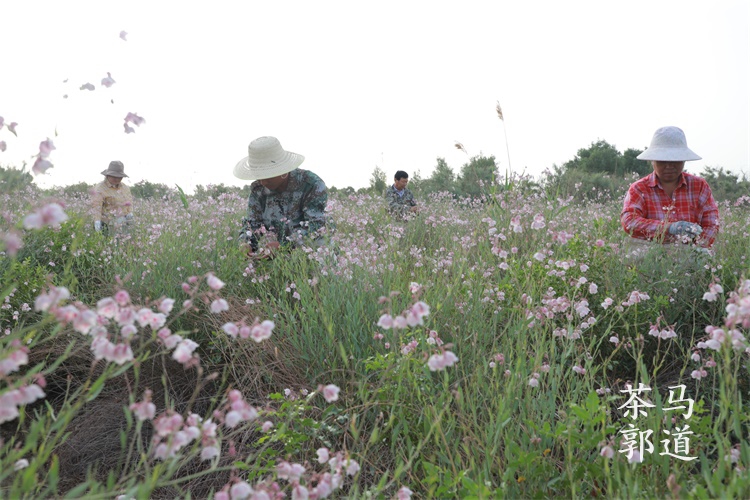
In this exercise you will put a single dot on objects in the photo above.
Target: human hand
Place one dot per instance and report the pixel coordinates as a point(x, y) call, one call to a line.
point(685, 228)
point(98, 226)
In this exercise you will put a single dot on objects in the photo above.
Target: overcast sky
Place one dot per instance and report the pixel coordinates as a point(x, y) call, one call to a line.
point(351, 85)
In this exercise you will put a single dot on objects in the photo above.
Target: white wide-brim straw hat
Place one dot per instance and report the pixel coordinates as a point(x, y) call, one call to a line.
point(668, 144)
point(115, 169)
point(265, 159)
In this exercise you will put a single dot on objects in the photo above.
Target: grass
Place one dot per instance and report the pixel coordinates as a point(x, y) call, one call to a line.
point(477, 429)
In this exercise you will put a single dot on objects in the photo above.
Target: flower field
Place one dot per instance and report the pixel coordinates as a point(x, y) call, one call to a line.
point(519, 346)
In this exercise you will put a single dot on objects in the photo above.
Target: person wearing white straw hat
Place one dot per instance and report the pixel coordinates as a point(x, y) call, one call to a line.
point(111, 200)
point(670, 205)
point(286, 205)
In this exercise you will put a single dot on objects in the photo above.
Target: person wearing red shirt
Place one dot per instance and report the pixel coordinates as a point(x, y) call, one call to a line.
point(670, 205)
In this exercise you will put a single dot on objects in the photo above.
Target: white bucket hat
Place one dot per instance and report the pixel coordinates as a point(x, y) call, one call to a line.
point(668, 144)
point(265, 159)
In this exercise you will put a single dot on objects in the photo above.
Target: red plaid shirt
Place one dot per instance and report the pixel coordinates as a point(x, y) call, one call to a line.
point(648, 211)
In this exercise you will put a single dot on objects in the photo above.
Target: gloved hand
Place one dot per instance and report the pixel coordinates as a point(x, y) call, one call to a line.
point(685, 228)
point(98, 226)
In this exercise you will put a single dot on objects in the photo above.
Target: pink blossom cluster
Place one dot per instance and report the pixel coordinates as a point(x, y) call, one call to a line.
point(145, 409)
point(13, 242)
point(135, 120)
point(239, 410)
point(259, 331)
point(41, 165)
point(51, 214)
point(23, 395)
point(412, 317)
point(662, 333)
point(14, 359)
point(441, 361)
point(172, 433)
point(11, 128)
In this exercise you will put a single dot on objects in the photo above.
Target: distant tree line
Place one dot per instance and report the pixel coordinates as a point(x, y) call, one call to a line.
point(597, 171)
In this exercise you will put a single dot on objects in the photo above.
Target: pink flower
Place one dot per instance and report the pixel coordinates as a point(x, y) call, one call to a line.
point(128, 128)
point(240, 490)
point(184, 351)
point(134, 119)
point(12, 128)
point(323, 455)
point(87, 86)
point(108, 81)
point(267, 426)
point(13, 243)
point(3, 146)
point(45, 148)
point(15, 359)
point(41, 166)
point(607, 452)
point(230, 329)
point(170, 341)
point(593, 288)
point(699, 374)
point(404, 493)
point(21, 464)
point(331, 393)
point(51, 215)
point(219, 305)
point(145, 410)
point(214, 283)
point(533, 382)
point(262, 331)
point(166, 305)
point(122, 297)
point(614, 339)
point(400, 322)
point(385, 322)
point(438, 362)
point(124, 35)
point(209, 452)
point(579, 370)
point(352, 467)
point(299, 492)
point(85, 321)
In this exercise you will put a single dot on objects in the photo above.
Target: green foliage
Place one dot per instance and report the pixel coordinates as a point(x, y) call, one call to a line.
point(146, 190)
point(442, 179)
point(77, 191)
point(478, 176)
point(13, 180)
point(597, 171)
point(378, 182)
point(725, 185)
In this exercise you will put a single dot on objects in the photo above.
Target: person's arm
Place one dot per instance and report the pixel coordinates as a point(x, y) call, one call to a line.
point(708, 217)
point(313, 212)
point(633, 218)
point(97, 202)
point(254, 219)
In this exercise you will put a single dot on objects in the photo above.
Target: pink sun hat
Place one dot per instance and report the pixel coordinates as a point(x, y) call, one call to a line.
point(265, 159)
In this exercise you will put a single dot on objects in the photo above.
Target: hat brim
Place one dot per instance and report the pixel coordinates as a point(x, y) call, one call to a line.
point(114, 174)
point(668, 154)
point(246, 171)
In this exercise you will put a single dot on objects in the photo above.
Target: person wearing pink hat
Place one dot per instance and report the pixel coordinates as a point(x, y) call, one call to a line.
point(670, 205)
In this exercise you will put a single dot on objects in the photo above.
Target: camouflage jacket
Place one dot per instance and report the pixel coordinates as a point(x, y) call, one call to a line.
point(399, 205)
point(287, 216)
